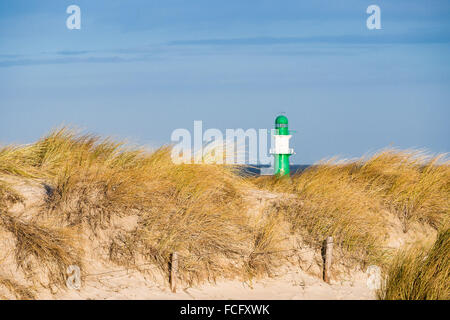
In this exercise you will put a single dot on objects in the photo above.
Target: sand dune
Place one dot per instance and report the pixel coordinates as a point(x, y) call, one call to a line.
point(74, 202)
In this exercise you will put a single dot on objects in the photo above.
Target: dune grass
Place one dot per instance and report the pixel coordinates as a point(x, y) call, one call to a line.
point(16, 289)
point(420, 273)
point(196, 210)
point(346, 199)
point(40, 247)
point(412, 183)
point(8, 196)
point(200, 211)
point(327, 202)
point(14, 160)
point(36, 246)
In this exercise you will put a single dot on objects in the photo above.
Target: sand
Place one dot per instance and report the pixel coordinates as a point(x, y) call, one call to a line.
point(292, 285)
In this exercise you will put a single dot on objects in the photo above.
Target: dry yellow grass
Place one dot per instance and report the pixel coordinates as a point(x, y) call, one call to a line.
point(413, 183)
point(200, 210)
point(38, 247)
point(16, 289)
point(197, 210)
point(8, 196)
point(328, 203)
point(268, 245)
point(14, 160)
point(420, 273)
point(346, 199)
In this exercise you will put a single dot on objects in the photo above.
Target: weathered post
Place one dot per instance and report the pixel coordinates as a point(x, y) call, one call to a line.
point(173, 272)
point(328, 259)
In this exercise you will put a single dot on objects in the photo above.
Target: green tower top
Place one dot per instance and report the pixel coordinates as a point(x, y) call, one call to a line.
point(281, 120)
point(281, 125)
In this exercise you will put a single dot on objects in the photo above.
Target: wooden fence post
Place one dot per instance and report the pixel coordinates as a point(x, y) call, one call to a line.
point(328, 260)
point(173, 272)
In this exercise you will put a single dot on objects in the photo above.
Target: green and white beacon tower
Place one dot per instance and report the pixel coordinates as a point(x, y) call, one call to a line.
point(281, 150)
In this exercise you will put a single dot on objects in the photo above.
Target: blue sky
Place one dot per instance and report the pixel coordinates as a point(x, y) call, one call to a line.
point(140, 69)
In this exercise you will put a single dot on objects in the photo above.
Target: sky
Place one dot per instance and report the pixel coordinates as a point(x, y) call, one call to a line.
point(138, 70)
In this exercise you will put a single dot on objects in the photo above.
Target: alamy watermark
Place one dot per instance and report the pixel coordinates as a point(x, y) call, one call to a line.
point(373, 277)
point(73, 280)
point(374, 20)
point(212, 146)
point(74, 20)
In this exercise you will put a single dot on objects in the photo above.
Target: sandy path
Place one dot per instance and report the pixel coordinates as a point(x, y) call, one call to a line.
point(293, 285)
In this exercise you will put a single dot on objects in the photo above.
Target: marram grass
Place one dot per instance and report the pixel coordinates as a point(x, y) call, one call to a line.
point(346, 199)
point(200, 211)
point(420, 273)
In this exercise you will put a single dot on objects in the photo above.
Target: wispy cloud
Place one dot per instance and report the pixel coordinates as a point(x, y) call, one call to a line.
point(9, 56)
point(284, 46)
point(73, 52)
point(117, 55)
point(335, 39)
point(30, 62)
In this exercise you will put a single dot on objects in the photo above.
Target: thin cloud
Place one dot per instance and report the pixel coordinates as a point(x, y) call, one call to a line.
point(72, 52)
point(343, 39)
point(145, 53)
point(10, 56)
point(33, 62)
